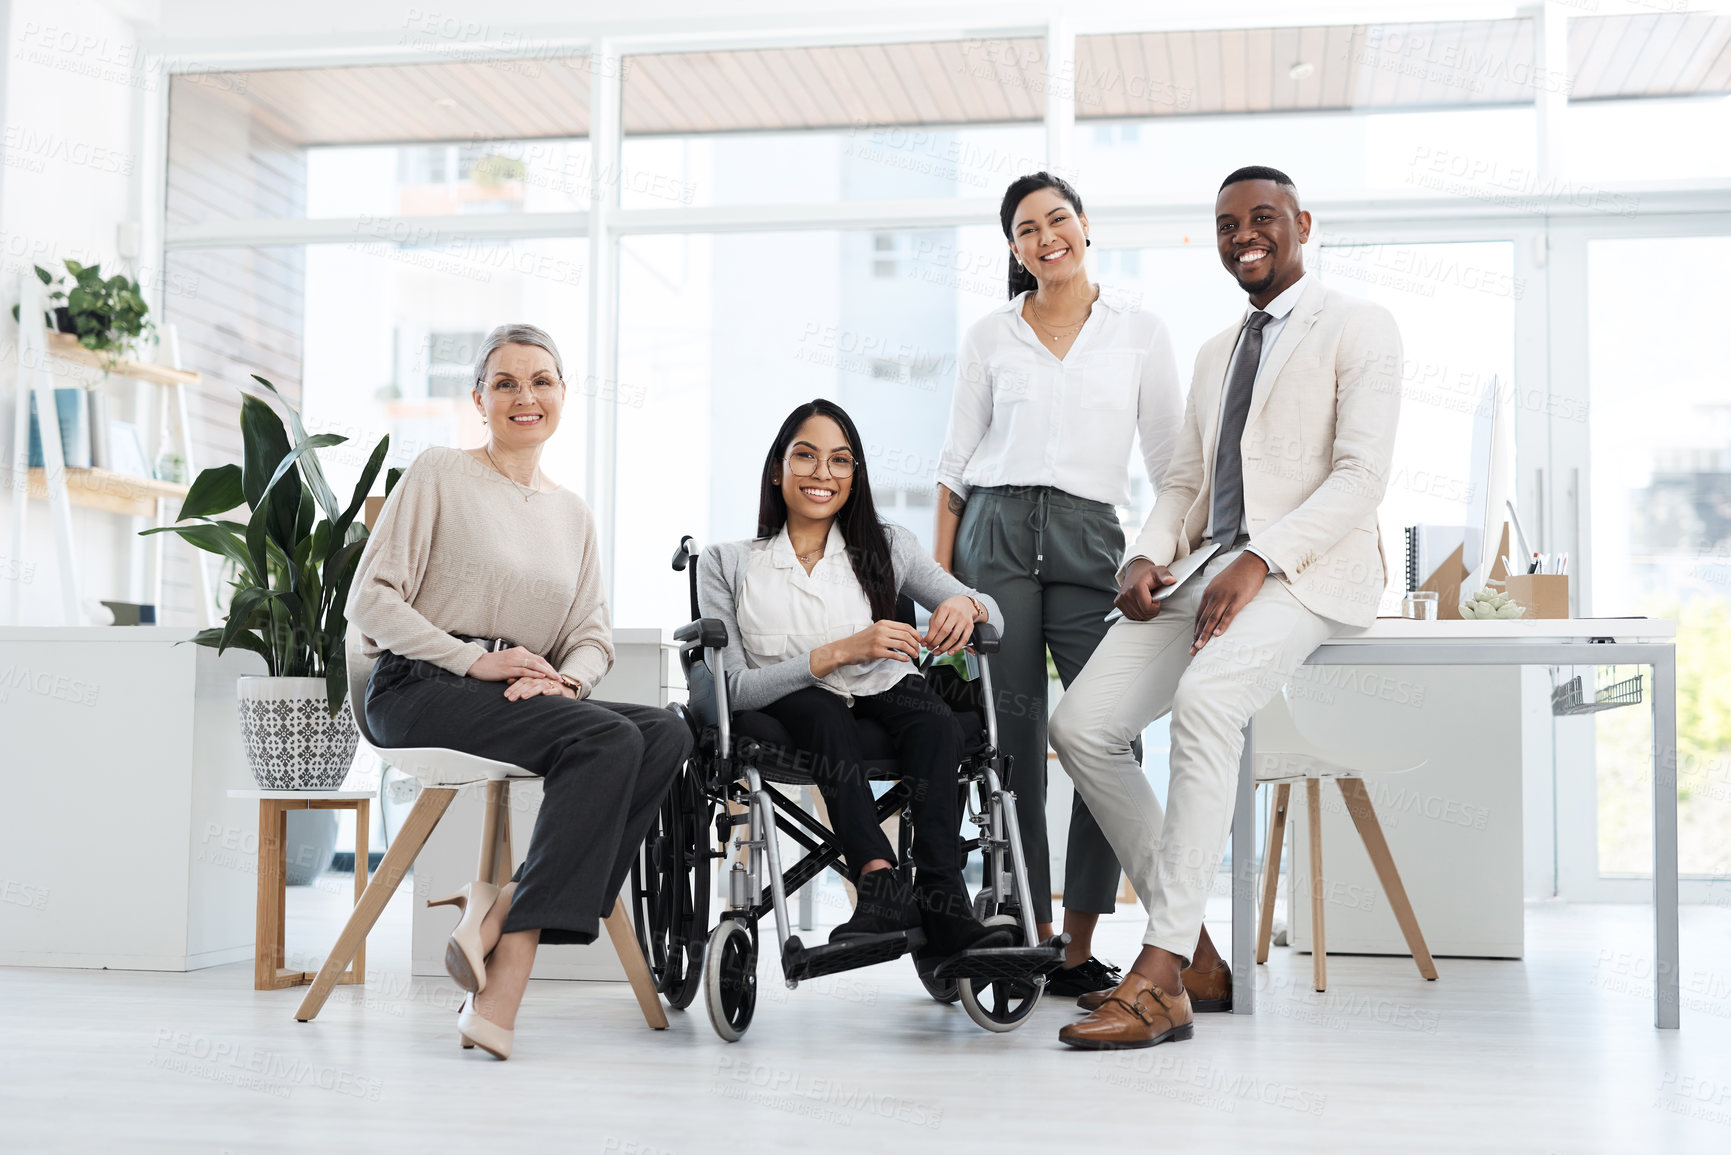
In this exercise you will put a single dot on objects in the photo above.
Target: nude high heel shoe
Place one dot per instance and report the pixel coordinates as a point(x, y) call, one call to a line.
point(464, 959)
point(475, 1031)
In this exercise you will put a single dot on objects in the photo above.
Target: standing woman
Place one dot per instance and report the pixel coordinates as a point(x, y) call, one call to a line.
point(480, 545)
point(1050, 390)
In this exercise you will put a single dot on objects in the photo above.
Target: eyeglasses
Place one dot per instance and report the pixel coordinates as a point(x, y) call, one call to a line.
point(543, 386)
point(803, 463)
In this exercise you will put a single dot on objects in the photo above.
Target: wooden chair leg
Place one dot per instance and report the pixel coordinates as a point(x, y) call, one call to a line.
point(429, 808)
point(490, 815)
point(358, 972)
point(630, 953)
point(502, 852)
point(1318, 942)
point(1370, 830)
point(1271, 851)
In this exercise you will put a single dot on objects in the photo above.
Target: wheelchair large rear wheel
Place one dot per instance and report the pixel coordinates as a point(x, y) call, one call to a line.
point(730, 978)
point(671, 888)
point(1001, 1004)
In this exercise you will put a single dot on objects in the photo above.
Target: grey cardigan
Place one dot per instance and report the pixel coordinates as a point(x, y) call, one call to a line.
point(721, 576)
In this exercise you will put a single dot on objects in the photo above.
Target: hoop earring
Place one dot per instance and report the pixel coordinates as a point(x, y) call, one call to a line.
point(1087, 242)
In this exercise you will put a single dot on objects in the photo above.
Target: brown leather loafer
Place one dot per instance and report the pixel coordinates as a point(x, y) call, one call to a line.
point(1208, 990)
point(1137, 1014)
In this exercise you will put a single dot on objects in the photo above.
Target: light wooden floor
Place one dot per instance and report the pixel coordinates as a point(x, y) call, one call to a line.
point(1552, 1054)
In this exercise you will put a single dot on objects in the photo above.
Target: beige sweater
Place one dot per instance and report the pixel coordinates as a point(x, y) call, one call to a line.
point(458, 551)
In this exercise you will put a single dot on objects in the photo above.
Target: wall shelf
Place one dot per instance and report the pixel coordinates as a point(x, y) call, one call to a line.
point(115, 492)
point(66, 347)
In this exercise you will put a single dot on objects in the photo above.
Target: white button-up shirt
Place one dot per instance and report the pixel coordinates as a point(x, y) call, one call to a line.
point(785, 613)
point(1022, 416)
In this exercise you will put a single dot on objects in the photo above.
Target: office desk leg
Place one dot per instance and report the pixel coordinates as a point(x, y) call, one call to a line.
point(1665, 973)
point(1244, 884)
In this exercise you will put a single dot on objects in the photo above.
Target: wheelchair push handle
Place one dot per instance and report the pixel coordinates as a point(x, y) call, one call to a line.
point(710, 633)
point(985, 639)
point(685, 553)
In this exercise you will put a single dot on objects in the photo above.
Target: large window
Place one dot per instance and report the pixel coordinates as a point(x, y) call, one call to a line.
point(796, 219)
point(721, 336)
point(1660, 428)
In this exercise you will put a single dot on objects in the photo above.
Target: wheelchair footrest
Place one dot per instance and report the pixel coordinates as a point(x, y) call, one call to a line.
point(802, 962)
point(1004, 962)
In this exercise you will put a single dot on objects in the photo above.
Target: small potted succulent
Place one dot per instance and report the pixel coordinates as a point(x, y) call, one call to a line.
point(294, 558)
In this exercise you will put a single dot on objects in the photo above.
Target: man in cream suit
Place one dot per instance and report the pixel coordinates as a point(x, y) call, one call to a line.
point(1282, 460)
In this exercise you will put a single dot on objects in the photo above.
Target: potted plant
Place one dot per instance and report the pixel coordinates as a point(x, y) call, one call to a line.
point(107, 315)
point(294, 558)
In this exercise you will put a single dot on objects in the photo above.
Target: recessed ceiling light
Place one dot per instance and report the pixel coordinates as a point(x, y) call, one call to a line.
point(445, 103)
point(1301, 70)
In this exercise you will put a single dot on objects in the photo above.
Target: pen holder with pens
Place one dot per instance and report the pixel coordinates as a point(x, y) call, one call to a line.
point(1546, 595)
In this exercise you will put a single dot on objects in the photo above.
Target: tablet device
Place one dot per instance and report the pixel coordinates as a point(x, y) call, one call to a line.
point(1181, 569)
point(1189, 564)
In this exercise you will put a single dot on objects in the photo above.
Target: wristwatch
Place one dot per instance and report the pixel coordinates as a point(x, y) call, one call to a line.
point(575, 686)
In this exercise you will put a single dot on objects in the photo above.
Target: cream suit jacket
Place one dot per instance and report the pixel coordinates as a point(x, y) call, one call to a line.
point(1317, 445)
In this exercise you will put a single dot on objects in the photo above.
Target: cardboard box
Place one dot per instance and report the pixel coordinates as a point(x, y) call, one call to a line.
point(1545, 595)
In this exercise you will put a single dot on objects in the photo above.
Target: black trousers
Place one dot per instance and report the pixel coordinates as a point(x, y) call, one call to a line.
point(605, 767)
point(928, 746)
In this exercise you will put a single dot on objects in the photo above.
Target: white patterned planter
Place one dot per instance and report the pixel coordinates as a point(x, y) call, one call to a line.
point(292, 742)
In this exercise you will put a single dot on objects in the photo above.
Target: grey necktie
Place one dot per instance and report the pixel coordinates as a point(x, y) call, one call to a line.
point(1228, 508)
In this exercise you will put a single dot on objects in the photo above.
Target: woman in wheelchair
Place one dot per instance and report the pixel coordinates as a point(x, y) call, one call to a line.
point(813, 641)
point(478, 546)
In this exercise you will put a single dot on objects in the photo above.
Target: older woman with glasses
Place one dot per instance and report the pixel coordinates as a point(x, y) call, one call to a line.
point(480, 593)
point(813, 641)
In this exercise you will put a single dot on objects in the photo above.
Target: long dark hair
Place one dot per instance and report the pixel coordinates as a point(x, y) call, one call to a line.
point(868, 546)
point(1021, 280)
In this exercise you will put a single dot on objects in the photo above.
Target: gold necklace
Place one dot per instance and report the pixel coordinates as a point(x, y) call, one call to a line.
point(1052, 331)
point(527, 493)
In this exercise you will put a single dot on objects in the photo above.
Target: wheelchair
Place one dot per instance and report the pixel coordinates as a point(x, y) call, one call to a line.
point(722, 790)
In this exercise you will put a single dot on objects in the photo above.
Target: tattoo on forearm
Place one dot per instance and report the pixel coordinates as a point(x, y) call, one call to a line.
point(957, 505)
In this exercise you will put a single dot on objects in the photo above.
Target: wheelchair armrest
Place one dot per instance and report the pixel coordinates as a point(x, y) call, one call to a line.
point(985, 640)
point(710, 633)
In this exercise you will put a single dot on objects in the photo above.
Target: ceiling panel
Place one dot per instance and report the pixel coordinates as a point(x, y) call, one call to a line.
point(440, 101)
point(1118, 76)
point(1670, 54)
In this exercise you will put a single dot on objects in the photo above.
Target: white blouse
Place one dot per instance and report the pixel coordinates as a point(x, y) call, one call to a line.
point(1022, 416)
point(785, 613)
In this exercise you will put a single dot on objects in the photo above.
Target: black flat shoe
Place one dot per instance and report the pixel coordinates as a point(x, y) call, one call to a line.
point(885, 906)
point(1084, 978)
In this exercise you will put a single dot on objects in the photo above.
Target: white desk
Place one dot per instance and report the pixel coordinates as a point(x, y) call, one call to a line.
point(1577, 642)
point(118, 845)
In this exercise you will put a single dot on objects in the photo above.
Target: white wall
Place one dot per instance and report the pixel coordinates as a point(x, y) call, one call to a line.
point(72, 89)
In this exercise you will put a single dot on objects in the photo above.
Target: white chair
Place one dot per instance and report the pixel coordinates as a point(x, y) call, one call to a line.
point(441, 774)
point(1284, 755)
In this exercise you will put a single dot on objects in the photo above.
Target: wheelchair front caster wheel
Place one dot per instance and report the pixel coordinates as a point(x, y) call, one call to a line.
point(730, 978)
point(943, 990)
point(1001, 1004)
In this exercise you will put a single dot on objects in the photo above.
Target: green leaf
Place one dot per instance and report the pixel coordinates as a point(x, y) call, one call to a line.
point(314, 472)
point(214, 490)
point(245, 641)
point(336, 678)
point(318, 441)
point(265, 443)
point(73, 267)
point(256, 535)
point(240, 613)
point(44, 275)
point(392, 476)
point(363, 487)
point(211, 539)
